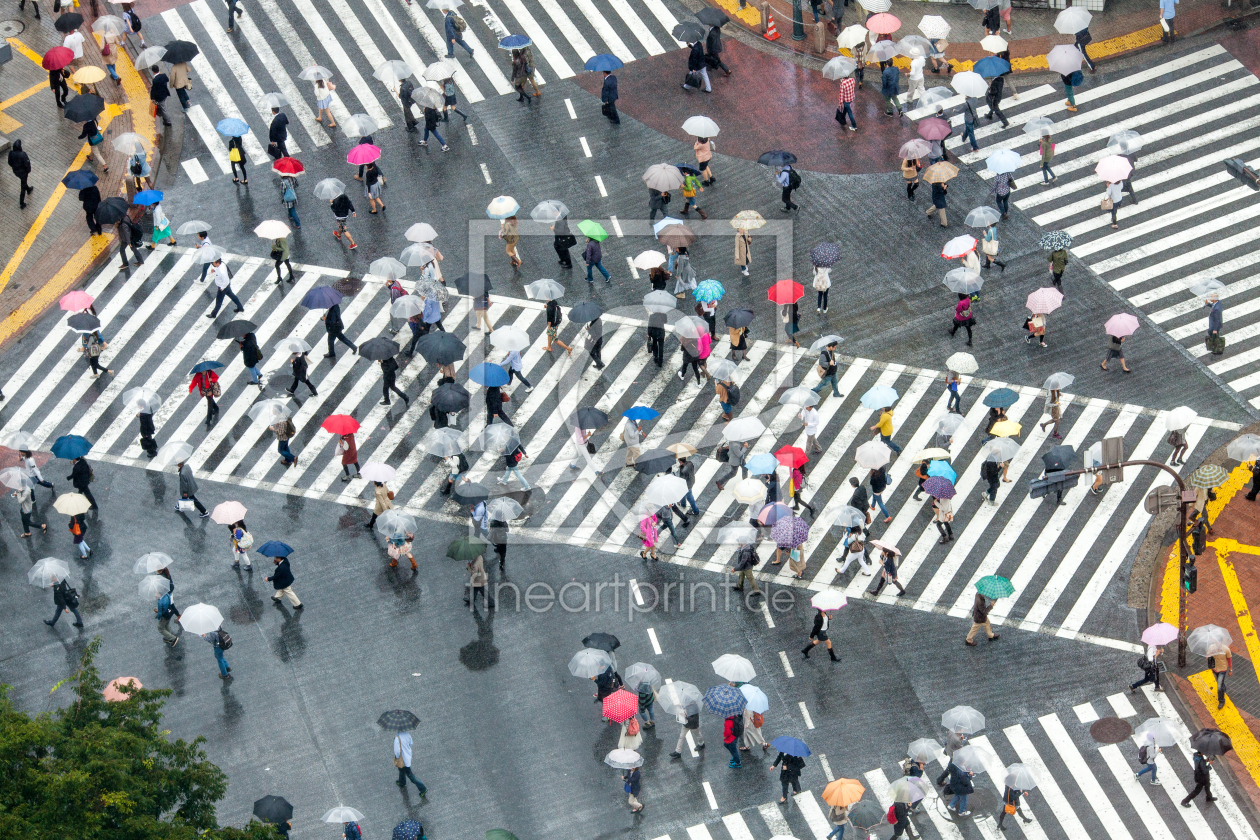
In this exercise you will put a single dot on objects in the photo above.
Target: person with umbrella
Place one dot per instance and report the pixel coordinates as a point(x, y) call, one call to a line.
point(884, 427)
point(1112, 198)
point(402, 760)
point(1216, 315)
point(1202, 779)
point(789, 772)
point(81, 476)
point(95, 140)
point(651, 535)
point(822, 620)
point(477, 577)
point(1115, 350)
point(555, 317)
point(166, 613)
point(788, 179)
point(90, 197)
point(608, 96)
point(284, 430)
point(1058, 264)
point(218, 639)
point(940, 203)
point(61, 90)
point(181, 80)
point(713, 47)
point(595, 334)
point(743, 564)
point(383, 500)
point(980, 609)
point(335, 328)
point(65, 600)
point(188, 487)
point(389, 381)
point(963, 315)
point(1150, 671)
point(298, 364)
point(697, 69)
point(735, 453)
point(159, 92)
point(277, 134)
point(91, 345)
point(281, 578)
point(633, 779)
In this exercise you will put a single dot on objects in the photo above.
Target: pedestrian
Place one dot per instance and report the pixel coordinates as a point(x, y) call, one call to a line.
point(980, 619)
point(188, 488)
point(61, 90)
point(1222, 667)
point(822, 283)
point(1011, 803)
point(888, 572)
point(1058, 264)
point(1202, 779)
point(349, 456)
point(839, 814)
point(993, 97)
point(727, 391)
point(430, 127)
point(687, 472)
point(299, 365)
point(828, 366)
point(753, 721)
point(1083, 40)
point(323, 100)
point(789, 773)
point(608, 96)
point(161, 224)
point(95, 139)
point(960, 783)
point(697, 69)
point(402, 760)
point(280, 254)
point(811, 419)
point(65, 600)
point(218, 638)
point(1046, 146)
point(223, 281)
point(885, 429)
point(281, 579)
point(383, 500)
point(952, 382)
point(796, 483)
point(181, 80)
point(481, 305)
point(1112, 199)
point(278, 135)
point(34, 6)
point(743, 564)
point(1115, 350)
point(81, 476)
point(342, 209)
point(788, 179)
point(735, 454)
point(132, 19)
point(456, 465)
point(91, 199)
point(522, 73)
point(910, 169)
point(713, 47)
point(373, 185)
point(389, 381)
point(405, 90)
point(690, 356)
point(284, 431)
point(74, 42)
point(494, 405)
point(822, 620)
point(20, 163)
point(939, 203)
point(916, 88)
point(685, 279)
point(739, 343)
point(335, 329)
point(510, 236)
point(633, 784)
point(594, 256)
point(879, 483)
point(991, 471)
point(1151, 668)
point(1254, 492)
point(288, 195)
point(26, 503)
point(1070, 81)
point(477, 580)
point(453, 26)
point(1167, 11)
point(91, 345)
point(936, 56)
point(963, 317)
point(1036, 326)
point(241, 541)
point(901, 820)
point(651, 535)
point(690, 187)
point(656, 203)
point(1216, 317)
point(703, 148)
point(166, 613)
point(232, 13)
point(207, 385)
point(890, 83)
point(632, 436)
point(554, 318)
point(563, 241)
point(130, 235)
point(512, 457)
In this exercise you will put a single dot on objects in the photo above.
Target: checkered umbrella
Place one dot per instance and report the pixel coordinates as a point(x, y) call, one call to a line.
point(790, 532)
point(621, 705)
point(1045, 300)
point(723, 701)
point(825, 254)
point(995, 586)
point(1208, 476)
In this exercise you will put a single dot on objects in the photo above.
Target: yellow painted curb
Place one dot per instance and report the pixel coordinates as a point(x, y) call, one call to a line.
point(749, 15)
point(1229, 721)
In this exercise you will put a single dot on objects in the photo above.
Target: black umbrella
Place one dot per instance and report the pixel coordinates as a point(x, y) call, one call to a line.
point(655, 461)
point(68, 22)
point(602, 641)
point(237, 329)
point(1211, 742)
point(441, 348)
point(710, 16)
point(589, 418)
point(273, 809)
point(866, 815)
point(470, 493)
point(689, 31)
point(777, 158)
point(585, 312)
point(84, 107)
point(398, 720)
point(738, 318)
point(451, 397)
point(378, 349)
point(84, 322)
point(1059, 458)
point(473, 284)
point(180, 51)
point(111, 210)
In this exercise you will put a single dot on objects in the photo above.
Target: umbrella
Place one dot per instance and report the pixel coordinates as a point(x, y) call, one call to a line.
point(1160, 634)
point(419, 254)
point(620, 706)
point(934, 95)
point(392, 72)
point(502, 207)
point(790, 531)
point(964, 281)
point(676, 236)
point(640, 673)
point(238, 328)
point(488, 375)
point(443, 442)
point(588, 417)
point(737, 318)
point(321, 297)
point(750, 491)
point(549, 211)
point(909, 789)
point(963, 719)
point(708, 291)
point(680, 698)
point(603, 62)
point(1072, 20)
point(421, 232)
point(825, 254)
point(1244, 448)
point(867, 815)
point(121, 688)
point(934, 26)
point(1209, 640)
point(1000, 450)
point(785, 291)
point(949, 424)
point(772, 513)
point(791, 456)
point(1125, 142)
point(880, 396)
point(269, 411)
point(666, 490)
point(1005, 428)
point(963, 363)
point(873, 454)
point(991, 66)
point(451, 398)
point(743, 428)
point(939, 488)
point(689, 31)
point(839, 67)
point(363, 153)
point(914, 46)
point(1208, 477)
point(1113, 168)
point(993, 44)
point(799, 395)
point(342, 814)
point(206, 254)
point(359, 125)
point(733, 667)
point(791, 746)
point(589, 662)
point(933, 128)
point(1121, 325)
point(175, 452)
point(395, 521)
point(659, 302)
point(374, 471)
point(1210, 289)
point(56, 58)
point(71, 447)
point(747, 220)
point(701, 126)
point(178, 52)
point(141, 399)
point(288, 345)
point(829, 599)
point(272, 809)
point(982, 217)
point(329, 188)
point(663, 177)
point(44, 572)
point(68, 22)
point(1001, 398)
point(228, 513)
point(972, 758)
point(850, 517)
point(152, 587)
point(762, 464)
point(275, 548)
point(941, 469)
point(737, 533)
point(623, 759)
point(914, 149)
point(16, 478)
point(111, 210)
point(585, 312)
point(509, 338)
point(883, 24)
point(497, 437)
point(602, 641)
point(777, 158)
point(1020, 777)
point(203, 618)
point(649, 260)
point(411, 829)
point(79, 179)
point(995, 586)
point(1165, 732)
point(1055, 240)
point(724, 701)
point(1211, 742)
point(851, 36)
point(939, 173)
point(655, 461)
point(932, 453)
point(341, 424)
point(232, 127)
point(958, 247)
point(514, 42)
point(1002, 161)
point(273, 100)
point(924, 750)
point(1179, 418)
point(89, 75)
point(592, 230)
point(1065, 59)
point(465, 549)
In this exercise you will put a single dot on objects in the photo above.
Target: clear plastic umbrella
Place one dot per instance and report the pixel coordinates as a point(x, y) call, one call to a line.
point(421, 232)
point(690, 326)
point(1058, 381)
point(924, 750)
point(342, 814)
point(548, 211)
point(441, 70)
point(963, 720)
point(737, 533)
point(392, 72)
point(375, 471)
point(659, 302)
point(175, 452)
point(679, 698)
point(141, 400)
point(1209, 640)
point(908, 789)
point(48, 571)
point(973, 758)
point(733, 667)
point(1208, 288)
point(273, 100)
point(839, 67)
point(850, 517)
point(665, 490)
point(504, 508)
point(443, 442)
point(360, 125)
point(743, 428)
point(418, 255)
point(109, 25)
point(589, 662)
point(982, 217)
point(201, 618)
point(329, 188)
point(396, 521)
point(152, 587)
point(1244, 448)
point(1124, 142)
point(1020, 777)
point(18, 440)
point(131, 143)
point(964, 281)
point(623, 759)
point(149, 563)
point(1165, 732)
point(315, 73)
point(933, 95)
point(16, 478)
point(1038, 126)
point(799, 395)
point(269, 411)
point(723, 369)
point(544, 290)
point(949, 424)
point(825, 341)
point(914, 46)
point(292, 345)
point(829, 599)
point(1179, 418)
point(641, 672)
point(496, 437)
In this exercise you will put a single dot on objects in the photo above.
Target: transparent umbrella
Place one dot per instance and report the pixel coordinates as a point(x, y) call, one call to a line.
point(548, 211)
point(659, 302)
point(1209, 640)
point(175, 452)
point(1058, 381)
point(737, 533)
point(151, 562)
point(1000, 449)
point(1179, 418)
point(152, 587)
point(839, 67)
point(623, 759)
point(269, 411)
point(589, 662)
point(396, 521)
point(973, 758)
point(392, 72)
point(1244, 448)
point(964, 281)
point(496, 437)
point(504, 508)
point(1124, 142)
point(799, 395)
point(1020, 777)
point(141, 399)
point(18, 440)
point(963, 720)
point(640, 673)
point(850, 517)
point(544, 290)
point(933, 95)
point(963, 363)
point(723, 369)
point(329, 188)
point(342, 814)
point(48, 571)
point(1038, 126)
point(982, 217)
point(924, 750)
point(1165, 732)
point(679, 698)
point(908, 789)
point(16, 478)
point(743, 429)
point(443, 442)
point(949, 424)
point(914, 46)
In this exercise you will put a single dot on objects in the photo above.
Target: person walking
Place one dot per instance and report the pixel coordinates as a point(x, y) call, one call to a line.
point(735, 454)
point(91, 199)
point(20, 163)
point(888, 572)
point(389, 381)
point(1115, 350)
point(1147, 752)
point(80, 477)
point(508, 233)
point(656, 203)
point(828, 366)
point(217, 639)
point(223, 282)
point(1055, 409)
point(788, 179)
point(430, 127)
point(1112, 199)
point(563, 241)
point(910, 169)
point(943, 516)
point(1222, 667)
point(952, 383)
point(608, 96)
point(690, 356)
point(181, 80)
point(991, 471)
point(822, 620)
point(554, 318)
point(383, 500)
point(1010, 805)
point(1150, 669)
point(1036, 326)
point(373, 185)
point(299, 365)
point(494, 405)
point(1216, 318)
point(1202, 779)
point(284, 431)
point(477, 580)
point(240, 541)
point(650, 534)
point(916, 87)
point(821, 284)
point(34, 7)
point(280, 254)
point(963, 317)
point(1167, 12)
point(901, 820)
point(512, 458)
point(453, 27)
point(129, 236)
point(60, 88)
point(970, 118)
point(1001, 191)
point(207, 385)
point(885, 429)
point(65, 600)
point(960, 783)
point(743, 564)
point(281, 579)
point(713, 49)
point(810, 417)
point(1058, 265)
point(188, 488)
point(796, 484)
point(633, 785)
point(288, 194)
point(26, 504)
point(1083, 40)
point(349, 456)
point(980, 619)
point(1070, 81)
point(890, 83)
point(632, 435)
point(939, 203)
point(342, 209)
point(879, 483)
point(323, 100)
point(405, 90)
point(402, 760)
point(743, 254)
point(690, 722)
point(991, 22)
point(727, 392)
point(481, 305)
point(521, 74)
point(703, 148)
point(278, 135)
point(838, 814)
point(91, 345)
point(993, 98)
point(166, 613)
point(732, 729)
point(691, 186)
point(335, 329)
point(844, 103)
point(1046, 147)
point(789, 773)
point(594, 256)
point(697, 69)
point(1254, 492)
point(687, 472)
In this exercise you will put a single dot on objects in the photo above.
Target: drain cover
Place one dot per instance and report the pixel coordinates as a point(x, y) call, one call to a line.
point(1110, 730)
point(349, 286)
point(11, 28)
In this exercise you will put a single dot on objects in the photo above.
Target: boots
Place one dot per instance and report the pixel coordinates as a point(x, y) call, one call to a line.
point(832, 654)
point(806, 650)
point(703, 215)
point(414, 567)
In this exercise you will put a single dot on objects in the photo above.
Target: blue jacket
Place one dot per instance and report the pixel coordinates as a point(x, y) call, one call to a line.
point(452, 34)
point(891, 81)
point(959, 781)
point(1215, 317)
point(165, 607)
point(609, 93)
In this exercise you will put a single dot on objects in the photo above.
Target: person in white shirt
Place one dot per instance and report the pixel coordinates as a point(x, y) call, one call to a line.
point(30, 468)
point(809, 416)
point(513, 361)
point(916, 78)
point(223, 280)
point(402, 756)
point(74, 43)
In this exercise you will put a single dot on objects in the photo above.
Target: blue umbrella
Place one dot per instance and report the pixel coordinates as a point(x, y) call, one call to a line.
point(232, 127)
point(725, 700)
point(79, 179)
point(321, 297)
point(944, 470)
point(791, 746)
point(202, 367)
point(514, 42)
point(992, 66)
point(641, 412)
point(408, 830)
point(881, 396)
point(488, 374)
point(1001, 398)
point(71, 447)
point(147, 197)
point(708, 291)
point(763, 464)
point(688, 168)
point(275, 548)
point(602, 62)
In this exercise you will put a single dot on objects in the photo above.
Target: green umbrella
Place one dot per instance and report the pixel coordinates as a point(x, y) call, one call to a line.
point(500, 834)
point(466, 548)
point(592, 230)
point(994, 586)
point(1208, 476)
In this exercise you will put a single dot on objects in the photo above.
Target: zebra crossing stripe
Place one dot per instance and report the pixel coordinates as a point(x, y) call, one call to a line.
point(295, 43)
point(605, 29)
point(637, 27)
point(1113, 824)
point(736, 827)
point(1046, 784)
point(437, 42)
point(348, 70)
point(540, 38)
point(996, 772)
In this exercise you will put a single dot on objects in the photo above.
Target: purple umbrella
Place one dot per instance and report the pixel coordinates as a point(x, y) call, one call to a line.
point(790, 531)
point(939, 488)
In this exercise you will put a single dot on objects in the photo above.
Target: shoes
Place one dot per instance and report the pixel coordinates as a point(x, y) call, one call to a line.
point(49, 623)
point(994, 637)
point(968, 644)
point(675, 755)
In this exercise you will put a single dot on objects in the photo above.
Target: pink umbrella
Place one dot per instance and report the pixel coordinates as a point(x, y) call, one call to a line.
point(76, 301)
point(883, 24)
point(1044, 301)
point(1113, 168)
point(959, 246)
point(1160, 634)
point(1121, 325)
point(363, 153)
point(933, 128)
point(120, 689)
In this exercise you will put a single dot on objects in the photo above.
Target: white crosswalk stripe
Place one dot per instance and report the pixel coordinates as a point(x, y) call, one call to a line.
point(1191, 220)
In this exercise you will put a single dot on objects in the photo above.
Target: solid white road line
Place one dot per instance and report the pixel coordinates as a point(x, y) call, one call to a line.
point(1046, 785)
point(708, 792)
point(787, 666)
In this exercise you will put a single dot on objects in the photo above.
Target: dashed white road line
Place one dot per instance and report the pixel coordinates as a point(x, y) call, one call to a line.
point(472, 135)
point(826, 767)
point(599, 182)
point(787, 666)
point(708, 791)
point(586, 149)
point(656, 646)
point(765, 611)
point(485, 173)
point(634, 590)
point(616, 226)
point(568, 103)
point(634, 272)
point(195, 173)
point(809, 721)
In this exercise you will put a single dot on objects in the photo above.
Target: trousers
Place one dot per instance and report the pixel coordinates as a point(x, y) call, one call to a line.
point(287, 592)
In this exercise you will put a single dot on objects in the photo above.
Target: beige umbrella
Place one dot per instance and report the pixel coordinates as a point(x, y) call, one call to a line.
point(963, 363)
point(663, 177)
point(747, 220)
point(71, 504)
point(851, 36)
point(939, 173)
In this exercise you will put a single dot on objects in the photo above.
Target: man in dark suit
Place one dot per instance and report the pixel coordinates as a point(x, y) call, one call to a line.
point(80, 475)
point(609, 97)
point(278, 134)
point(282, 581)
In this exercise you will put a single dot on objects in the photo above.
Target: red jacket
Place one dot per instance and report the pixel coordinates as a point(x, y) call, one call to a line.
point(728, 731)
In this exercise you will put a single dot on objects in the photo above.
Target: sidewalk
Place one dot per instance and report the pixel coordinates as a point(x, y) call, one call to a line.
point(1125, 27)
point(49, 249)
point(1228, 581)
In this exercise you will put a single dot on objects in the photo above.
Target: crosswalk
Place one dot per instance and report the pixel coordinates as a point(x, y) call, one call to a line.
point(1192, 220)
point(270, 48)
point(1085, 788)
point(1062, 559)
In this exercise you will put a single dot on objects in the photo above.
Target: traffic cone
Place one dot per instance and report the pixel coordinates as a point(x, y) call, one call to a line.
point(771, 33)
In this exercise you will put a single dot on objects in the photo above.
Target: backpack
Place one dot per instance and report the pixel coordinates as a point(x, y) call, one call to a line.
point(289, 194)
point(225, 641)
point(794, 179)
point(1142, 753)
point(1144, 663)
point(246, 541)
point(892, 815)
point(289, 428)
point(732, 394)
point(137, 167)
point(758, 720)
point(632, 726)
point(737, 726)
point(460, 25)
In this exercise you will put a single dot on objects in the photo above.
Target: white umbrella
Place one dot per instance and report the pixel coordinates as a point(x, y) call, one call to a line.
point(744, 428)
point(949, 424)
point(374, 471)
point(359, 125)
point(972, 758)
point(392, 72)
point(509, 338)
point(1179, 418)
point(1038, 126)
point(924, 749)
point(690, 326)
point(207, 254)
point(131, 143)
point(141, 399)
point(1020, 777)
point(503, 508)
point(1000, 449)
point(273, 100)
point(723, 369)
point(396, 521)
point(272, 229)
point(1209, 640)
point(963, 363)
point(387, 267)
point(152, 587)
point(421, 232)
point(502, 207)
point(1003, 161)
point(799, 395)
point(908, 789)
point(828, 599)
point(876, 5)
point(982, 217)
point(934, 26)
point(639, 673)
point(418, 255)
point(701, 127)
point(150, 56)
point(1058, 381)
point(993, 43)
point(48, 571)
point(440, 70)
point(873, 454)
point(649, 260)
point(192, 226)
point(623, 759)
point(679, 698)
point(342, 814)
point(666, 490)
point(964, 281)
point(16, 478)
point(963, 720)
point(269, 411)
point(1165, 732)
point(201, 619)
point(149, 563)
point(758, 702)
point(589, 662)
point(663, 177)
point(750, 491)
point(839, 67)
point(1244, 448)
point(958, 246)
point(329, 188)
point(1064, 59)
point(315, 73)
point(733, 667)
point(1113, 168)
point(914, 46)
point(175, 452)
point(659, 302)
point(851, 36)
point(825, 341)
point(443, 442)
point(292, 345)
point(544, 290)
point(970, 83)
point(738, 533)
point(1072, 20)
point(18, 440)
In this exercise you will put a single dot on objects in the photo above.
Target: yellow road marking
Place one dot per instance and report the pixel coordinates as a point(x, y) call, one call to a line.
point(27, 51)
point(8, 124)
point(1229, 721)
point(1224, 548)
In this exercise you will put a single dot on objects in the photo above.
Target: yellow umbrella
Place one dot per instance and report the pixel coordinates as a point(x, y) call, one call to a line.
point(1005, 428)
point(89, 75)
point(931, 454)
point(843, 792)
point(939, 173)
point(71, 504)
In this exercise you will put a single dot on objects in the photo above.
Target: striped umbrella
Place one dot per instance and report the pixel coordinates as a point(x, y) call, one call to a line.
point(723, 700)
point(1208, 476)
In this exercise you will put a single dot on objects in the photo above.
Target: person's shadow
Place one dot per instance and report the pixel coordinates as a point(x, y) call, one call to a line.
point(481, 654)
point(291, 644)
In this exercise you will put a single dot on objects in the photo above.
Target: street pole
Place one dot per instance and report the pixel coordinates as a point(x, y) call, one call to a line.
point(798, 24)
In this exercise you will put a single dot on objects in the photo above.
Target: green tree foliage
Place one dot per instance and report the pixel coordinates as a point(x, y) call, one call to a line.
point(101, 769)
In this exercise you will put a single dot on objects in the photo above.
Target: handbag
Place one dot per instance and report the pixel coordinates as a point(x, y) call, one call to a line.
point(234, 155)
point(1010, 809)
point(96, 139)
point(1107, 203)
point(398, 762)
point(990, 247)
point(105, 47)
point(275, 253)
point(693, 80)
point(590, 447)
point(185, 505)
point(839, 116)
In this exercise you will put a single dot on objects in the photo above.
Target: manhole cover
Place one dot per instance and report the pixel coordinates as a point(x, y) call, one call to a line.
point(349, 286)
point(11, 28)
point(1110, 730)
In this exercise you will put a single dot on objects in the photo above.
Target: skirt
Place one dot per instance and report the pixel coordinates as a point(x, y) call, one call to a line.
point(164, 233)
point(450, 100)
point(323, 104)
point(373, 191)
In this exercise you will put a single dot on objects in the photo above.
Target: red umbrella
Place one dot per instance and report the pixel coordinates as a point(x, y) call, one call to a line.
point(933, 128)
point(362, 154)
point(288, 166)
point(883, 24)
point(786, 291)
point(340, 424)
point(621, 705)
point(792, 456)
point(57, 57)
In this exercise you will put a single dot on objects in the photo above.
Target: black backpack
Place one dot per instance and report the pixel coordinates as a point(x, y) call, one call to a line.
point(794, 179)
point(732, 394)
point(1142, 753)
point(225, 641)
point(137, 167)
point(737, 725)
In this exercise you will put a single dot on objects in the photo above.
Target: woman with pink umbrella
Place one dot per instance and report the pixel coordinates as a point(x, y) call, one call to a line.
point(1119, 327)
point(1113, 169)
point(1041, 303)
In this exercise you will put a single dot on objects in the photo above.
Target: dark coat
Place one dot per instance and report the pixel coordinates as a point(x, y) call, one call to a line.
point(91, 197)
point(609, 91)
point(299, 366)
point(1215, 316)
point(61, 594)
point(960, 781)
point(938, 196)
point(879, 481)
point(19, 161)
point(80, 474)
point(430, 119)
point(159, 90)
point(695, 59)
point(713, 42)
point(994, 95)
point(147, 429)
point(1202, 770)
point(746, 558)
point(980, 609)
point(283, 575)
point(859, 499)
point(389, 368)
point(332, 319)
point(250, 354)
point(279, 130)
point(342, 206)
point(632, 779)
point(890, 81)
point(89, 131)
point(791, 768)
